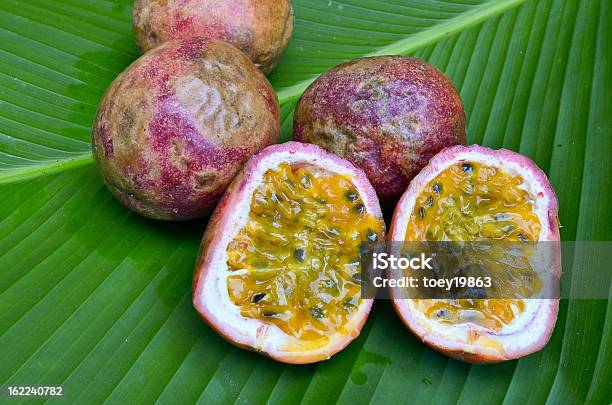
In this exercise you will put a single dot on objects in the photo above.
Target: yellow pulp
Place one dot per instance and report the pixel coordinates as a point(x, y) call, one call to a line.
point(470, 202)
point(296, 264)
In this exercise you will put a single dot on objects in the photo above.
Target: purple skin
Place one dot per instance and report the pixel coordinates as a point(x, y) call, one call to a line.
point(178, 124)
point(388, 115)
point(260, 28)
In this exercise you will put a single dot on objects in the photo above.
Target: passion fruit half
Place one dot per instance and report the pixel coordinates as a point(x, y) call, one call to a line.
point(478, 194)
point(278, 270)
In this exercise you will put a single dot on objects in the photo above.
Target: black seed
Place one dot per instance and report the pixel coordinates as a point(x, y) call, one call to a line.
point(422, 212)
point(269, 314)
point(523, 238)
point(363, 248)
point(316, 312)
point(258, 297)
point(348, 304)
point(463, 270)
point(502, 216)
point(351, 195)
point(477, 293)
point(299, 254)
point(441, 313)
point(371, 235)
point(275, 198)
point(359, 208)
point(430, 201)
point(437, 187)
point(467, 168)
point(330, 283)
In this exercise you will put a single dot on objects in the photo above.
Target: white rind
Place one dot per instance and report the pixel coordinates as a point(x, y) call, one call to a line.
point(211, 297)
point(529, 331)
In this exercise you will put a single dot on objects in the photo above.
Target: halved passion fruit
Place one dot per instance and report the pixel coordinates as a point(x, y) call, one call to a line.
point(279, 265)
point(479, 194)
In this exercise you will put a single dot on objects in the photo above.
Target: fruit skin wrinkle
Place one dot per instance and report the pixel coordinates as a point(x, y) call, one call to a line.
point(387, 114)
point(260, 28)
point(174, 129)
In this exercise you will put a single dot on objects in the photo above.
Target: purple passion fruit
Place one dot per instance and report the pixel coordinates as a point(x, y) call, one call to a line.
point(174, 129)
point(260, 28)
point(388, 115)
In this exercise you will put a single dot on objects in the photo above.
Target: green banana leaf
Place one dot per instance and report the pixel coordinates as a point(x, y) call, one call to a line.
point(97, 299)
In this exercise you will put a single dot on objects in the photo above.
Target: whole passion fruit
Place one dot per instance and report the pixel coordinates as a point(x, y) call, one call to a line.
point(260, 28)
point(279, 266)
point(388, 115)
point(479, 194)
point(176, 126)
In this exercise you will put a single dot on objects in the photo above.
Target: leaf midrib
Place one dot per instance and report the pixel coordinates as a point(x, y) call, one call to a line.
point(405, 46)
point(45, 167)
point(421, 39)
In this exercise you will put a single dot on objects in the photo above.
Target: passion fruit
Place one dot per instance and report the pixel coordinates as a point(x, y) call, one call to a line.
point(479, 194)
point(176, 126)
point(278, 270)
point(388, 115)
point(260, 28)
